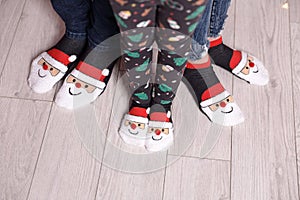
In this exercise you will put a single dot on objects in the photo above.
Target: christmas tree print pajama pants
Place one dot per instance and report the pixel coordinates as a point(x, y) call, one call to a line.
point(175, 22)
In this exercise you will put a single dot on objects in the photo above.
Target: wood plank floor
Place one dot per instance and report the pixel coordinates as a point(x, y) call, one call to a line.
point(47, 152)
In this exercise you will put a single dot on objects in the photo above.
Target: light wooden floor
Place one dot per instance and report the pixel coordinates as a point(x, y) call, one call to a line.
point(45, 154)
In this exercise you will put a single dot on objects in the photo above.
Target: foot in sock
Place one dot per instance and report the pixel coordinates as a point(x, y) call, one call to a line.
point(239, 63)
point(50, 66)
point(87, 80)
point(134, 126)
point(160, 134)
point(82, 86)
point(217, 104)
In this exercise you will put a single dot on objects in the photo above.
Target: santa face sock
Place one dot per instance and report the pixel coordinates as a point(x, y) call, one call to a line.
point(160, 134)
point(217, 104)
point(87, 80)
point(50, 66)
point(134, 126)
point(139, 75)
point(239, 63)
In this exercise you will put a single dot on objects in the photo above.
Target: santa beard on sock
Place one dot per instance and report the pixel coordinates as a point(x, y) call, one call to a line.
point(43, 75)
point(75, 93)
point(225, 112)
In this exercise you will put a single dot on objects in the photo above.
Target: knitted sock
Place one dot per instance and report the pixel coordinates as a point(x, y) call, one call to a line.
point(160, 134)
point(134, 126)
point(239, 63)
point(212, 98)
point(50, 66)
point(87, 80)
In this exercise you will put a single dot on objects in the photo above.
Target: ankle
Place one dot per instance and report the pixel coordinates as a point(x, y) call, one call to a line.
point(203, 60)
point(214, 38)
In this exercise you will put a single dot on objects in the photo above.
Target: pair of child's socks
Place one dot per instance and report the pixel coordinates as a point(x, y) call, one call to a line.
point(217, 103)
point(151, 128)
point(154, 130)
point(82, 85)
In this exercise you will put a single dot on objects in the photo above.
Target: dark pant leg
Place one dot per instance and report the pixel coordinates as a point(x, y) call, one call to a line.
point(75, 14)
point(218, 15)
point(200, 43)
point(135, 23)
point(174, 44)
point(103, 23)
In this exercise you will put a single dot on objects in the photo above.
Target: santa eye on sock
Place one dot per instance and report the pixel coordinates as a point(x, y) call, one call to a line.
point(80, 84)
point(47, 67)
point(158, 131)
point(221, 104)
point(134, 125)
point(249, 65)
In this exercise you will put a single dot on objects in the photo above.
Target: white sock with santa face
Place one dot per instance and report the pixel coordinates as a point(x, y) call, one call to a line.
point(160, 134)
point(240, 63)
point(220, 107)
point(50, 66)
point(88, 79)
point(82, 86)
point(217, 104)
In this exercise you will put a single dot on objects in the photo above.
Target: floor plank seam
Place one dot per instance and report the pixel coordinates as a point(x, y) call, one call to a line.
point(232, 87)
point(195, 157)
point(101, 165)
point(25, 99)
point(164, 180)
point(12, 41)
point(294, 110)
point(40, 149)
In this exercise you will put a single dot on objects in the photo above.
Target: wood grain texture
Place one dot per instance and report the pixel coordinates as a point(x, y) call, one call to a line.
point(22, 127)
point(295, 37)
point(69, 163)
point(10, 13)
point(263, 148)
point(36, 32)
point(294, 8)
point(196, 179)
point(124, 186)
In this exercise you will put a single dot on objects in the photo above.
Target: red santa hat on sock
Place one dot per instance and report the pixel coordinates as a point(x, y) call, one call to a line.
point(90, 74)
point(160, 116)
point(58, 59)
point(213, 95)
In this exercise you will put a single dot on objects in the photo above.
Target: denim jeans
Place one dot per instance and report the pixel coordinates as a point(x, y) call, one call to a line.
point(210, 25)
point(87, 19)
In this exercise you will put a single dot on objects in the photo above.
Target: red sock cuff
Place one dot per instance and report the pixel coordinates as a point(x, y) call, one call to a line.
point(216, 42)
point(235, 59)
point(159, 116)
point(198, 66)
point(137, 111)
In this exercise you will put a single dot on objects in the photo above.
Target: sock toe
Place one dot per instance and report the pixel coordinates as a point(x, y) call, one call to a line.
point(133, 130)
point(225, 114)
point(160, 136)
point(42, 80)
